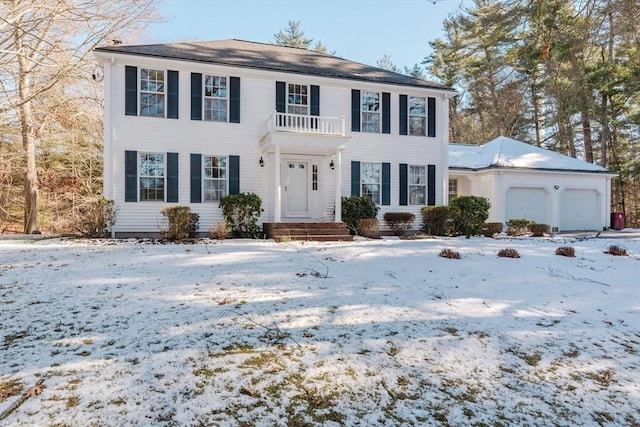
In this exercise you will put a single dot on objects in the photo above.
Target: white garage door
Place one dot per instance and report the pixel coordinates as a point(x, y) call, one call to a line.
point(579, 210)
point(529, 203)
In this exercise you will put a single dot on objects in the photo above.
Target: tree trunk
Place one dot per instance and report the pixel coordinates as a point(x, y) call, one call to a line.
point(586, 135)
point(605, 131)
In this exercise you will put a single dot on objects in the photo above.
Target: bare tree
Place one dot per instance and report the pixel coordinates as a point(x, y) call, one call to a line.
point(45, 44)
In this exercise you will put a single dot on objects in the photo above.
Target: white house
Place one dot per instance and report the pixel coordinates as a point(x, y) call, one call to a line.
point(524, 181)
point(188, 123)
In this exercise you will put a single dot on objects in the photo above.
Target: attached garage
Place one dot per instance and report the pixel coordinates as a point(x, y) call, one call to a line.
point(529, 203)
point(579, 210)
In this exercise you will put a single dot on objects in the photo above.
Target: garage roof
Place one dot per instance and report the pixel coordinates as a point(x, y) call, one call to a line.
point(504, 152)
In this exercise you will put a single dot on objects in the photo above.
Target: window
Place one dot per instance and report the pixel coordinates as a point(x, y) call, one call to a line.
point(314, 177)
point(152, 92)
point(215, 178)
point(371, 112)
point(453, 189)
point(297, 99)
point(152, 176)
point(215, 98)
point(417, 116)
point(370, 178)
point(417, 185)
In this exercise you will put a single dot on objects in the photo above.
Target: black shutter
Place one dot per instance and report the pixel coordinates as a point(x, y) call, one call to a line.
point(404, 115)
point(403, 184)
point(130, 91)
point(355, 179)
point(315, 100)
point(196, 96)
point(355, 110)
point(431, 117)
point(234, 174)
point(386, 112)
point(172, 94)
point(196, 178)
point(386, 183)
point(281, 97)
point(130, 176)
point(234, 99)
point(172, 177)
point(431, 185)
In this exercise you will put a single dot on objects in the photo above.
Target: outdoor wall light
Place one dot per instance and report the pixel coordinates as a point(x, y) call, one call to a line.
point(261, 162)
point(331, 165)
point(556, 186)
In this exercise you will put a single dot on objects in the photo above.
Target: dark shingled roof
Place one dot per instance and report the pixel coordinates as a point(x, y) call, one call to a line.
point(239, 53)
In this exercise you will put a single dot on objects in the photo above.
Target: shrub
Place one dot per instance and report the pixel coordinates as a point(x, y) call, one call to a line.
point(181, 223)
point(96, 217)
point(449, 253)
point(490, 229)
point(518, 226)
point(355, 208)
point(468, 214)
point(368, 227)
point(616, 250)
point(435, 220)
point(399, 222)
point(508, 253)
point(220, 231)
point(567, 251)
point(538, 230)
point(242, 212)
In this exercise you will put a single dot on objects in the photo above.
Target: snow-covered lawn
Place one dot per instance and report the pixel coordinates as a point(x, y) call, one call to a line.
point(367, 333)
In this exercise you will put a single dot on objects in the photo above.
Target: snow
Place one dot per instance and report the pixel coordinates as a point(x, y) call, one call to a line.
point(371, 332)
point(507, 152)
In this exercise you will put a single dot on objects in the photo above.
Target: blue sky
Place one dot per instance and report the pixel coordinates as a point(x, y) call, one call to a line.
point(358, 30)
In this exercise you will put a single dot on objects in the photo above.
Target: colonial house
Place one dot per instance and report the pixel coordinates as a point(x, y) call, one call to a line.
point(188, 123)
point(524, 181)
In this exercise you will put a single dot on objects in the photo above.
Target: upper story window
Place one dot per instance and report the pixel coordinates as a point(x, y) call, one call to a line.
point(152, 176)
point(215, 98)
point(215, 178)
point(371, 181)
point(370, 112)
point(417, 116)
point(297, 99)
point(417, 185)
point(152, 92)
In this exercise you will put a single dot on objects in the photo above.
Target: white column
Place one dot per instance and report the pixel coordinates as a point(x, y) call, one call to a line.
point(338, 171)
point(277, 209)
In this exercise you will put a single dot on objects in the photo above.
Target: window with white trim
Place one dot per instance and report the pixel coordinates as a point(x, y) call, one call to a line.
point(215, 98)
point(371, 181)
point(453, 189)
point(215, 178)
point(417, 185)
point(152, 91)
point(371, 112)
point(297, 99)
point(152, 176)
point(417, 116)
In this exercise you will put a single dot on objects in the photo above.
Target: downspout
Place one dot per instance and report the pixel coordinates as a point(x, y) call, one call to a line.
point(112, 120)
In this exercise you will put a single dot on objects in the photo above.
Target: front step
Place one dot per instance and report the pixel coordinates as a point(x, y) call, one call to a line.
point(307, 231)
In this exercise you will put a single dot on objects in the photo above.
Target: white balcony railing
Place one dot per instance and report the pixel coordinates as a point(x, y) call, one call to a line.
point(300, 123)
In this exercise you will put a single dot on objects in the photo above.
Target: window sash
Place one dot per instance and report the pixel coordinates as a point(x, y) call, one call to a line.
point(152, 176)
point(297, 99)
point(216, 98)
point(417, 185)
point(371, 113)
point(152, 91)
point(215, 178)
point(417, 116)
point(371, 181)
point(453, 189)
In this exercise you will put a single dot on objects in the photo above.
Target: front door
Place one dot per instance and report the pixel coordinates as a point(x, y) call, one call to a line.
point(296, 189)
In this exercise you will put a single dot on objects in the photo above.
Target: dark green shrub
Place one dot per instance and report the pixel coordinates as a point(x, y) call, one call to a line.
point(96, 217)
point(368, 227)
point(355, 208)
point(435, 220)
point(518, 226)
point(180, 223)
point(538, 230)
point(194, 225)
point(399, 222)
point(490, 229)
point(468, 214)
point(242, 212)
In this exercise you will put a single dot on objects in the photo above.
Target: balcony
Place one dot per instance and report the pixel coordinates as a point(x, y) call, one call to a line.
point(300, 123)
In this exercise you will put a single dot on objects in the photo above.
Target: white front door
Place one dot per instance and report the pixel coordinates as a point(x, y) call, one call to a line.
point(296, 187)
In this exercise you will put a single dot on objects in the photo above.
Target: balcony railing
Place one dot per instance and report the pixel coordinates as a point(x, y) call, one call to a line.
point(300, 123)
